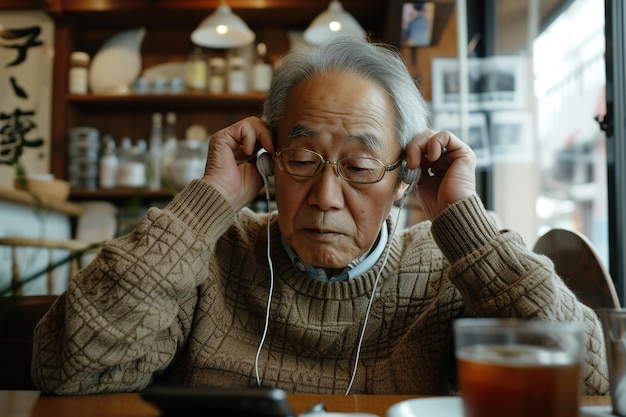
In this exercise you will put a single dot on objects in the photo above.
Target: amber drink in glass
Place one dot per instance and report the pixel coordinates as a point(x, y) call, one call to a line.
point(518, 368)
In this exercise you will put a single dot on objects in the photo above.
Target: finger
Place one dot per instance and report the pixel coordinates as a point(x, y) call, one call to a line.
point(416, 149)
point(254, 134)
point(428, 145)
point(441, 143)
point(244, 138)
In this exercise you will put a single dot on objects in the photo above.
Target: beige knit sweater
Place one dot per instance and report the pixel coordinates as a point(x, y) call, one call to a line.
point(183, 297)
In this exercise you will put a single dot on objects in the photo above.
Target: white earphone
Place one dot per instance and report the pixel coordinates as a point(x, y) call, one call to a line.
point(409, 176)
point(264, 163)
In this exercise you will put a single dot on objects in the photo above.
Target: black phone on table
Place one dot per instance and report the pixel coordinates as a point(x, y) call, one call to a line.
point(248, 401)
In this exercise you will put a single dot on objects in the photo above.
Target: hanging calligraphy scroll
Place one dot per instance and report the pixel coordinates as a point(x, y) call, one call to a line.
point(26, 65)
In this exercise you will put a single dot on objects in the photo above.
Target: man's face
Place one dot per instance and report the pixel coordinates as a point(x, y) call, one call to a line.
point(328, 221)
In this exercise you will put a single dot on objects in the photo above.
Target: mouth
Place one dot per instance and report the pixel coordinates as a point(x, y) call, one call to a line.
point(322, 234)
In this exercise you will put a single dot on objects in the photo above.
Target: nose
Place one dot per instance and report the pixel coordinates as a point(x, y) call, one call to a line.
point(327, 189)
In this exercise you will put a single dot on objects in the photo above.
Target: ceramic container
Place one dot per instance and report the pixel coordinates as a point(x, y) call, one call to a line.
point(117, 64)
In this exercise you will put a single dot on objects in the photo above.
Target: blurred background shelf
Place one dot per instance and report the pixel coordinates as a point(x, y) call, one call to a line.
point(120, 194)
point(160, 101)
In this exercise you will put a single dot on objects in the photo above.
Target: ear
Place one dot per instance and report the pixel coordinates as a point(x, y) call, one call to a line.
point(402, 188)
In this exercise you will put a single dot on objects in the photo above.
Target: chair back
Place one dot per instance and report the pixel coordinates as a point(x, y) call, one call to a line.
point(578, 264)
point(18, 318)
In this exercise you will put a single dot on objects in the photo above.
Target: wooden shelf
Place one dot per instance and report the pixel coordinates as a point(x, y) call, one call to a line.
point(149, 101)
point(22, 197)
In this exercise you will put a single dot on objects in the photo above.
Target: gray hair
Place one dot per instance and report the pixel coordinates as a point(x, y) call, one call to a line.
point(376, 62)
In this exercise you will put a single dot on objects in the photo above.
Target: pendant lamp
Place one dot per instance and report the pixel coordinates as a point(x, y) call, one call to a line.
point(222, 29)
point(334, 21)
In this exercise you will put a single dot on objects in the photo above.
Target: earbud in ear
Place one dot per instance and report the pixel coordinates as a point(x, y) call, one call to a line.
point(409, 176)
point(264, 163)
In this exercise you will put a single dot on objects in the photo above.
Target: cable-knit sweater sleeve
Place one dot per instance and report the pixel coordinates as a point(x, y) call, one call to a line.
point(498, 276)
point(124, 315)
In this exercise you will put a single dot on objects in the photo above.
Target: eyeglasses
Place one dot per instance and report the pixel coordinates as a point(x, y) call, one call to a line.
point(305, 163)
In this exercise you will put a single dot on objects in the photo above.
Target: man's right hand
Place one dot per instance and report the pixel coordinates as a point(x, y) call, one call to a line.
point(227, 167)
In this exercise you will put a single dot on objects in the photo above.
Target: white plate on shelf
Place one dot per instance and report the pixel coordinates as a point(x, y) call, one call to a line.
point(453, 407)
point(166, 70)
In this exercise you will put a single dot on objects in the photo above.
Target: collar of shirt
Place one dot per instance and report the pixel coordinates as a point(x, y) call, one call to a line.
point(356, 268)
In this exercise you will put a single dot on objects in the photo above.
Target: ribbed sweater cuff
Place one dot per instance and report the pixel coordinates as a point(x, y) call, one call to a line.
point(463, 228)
point(203, 208)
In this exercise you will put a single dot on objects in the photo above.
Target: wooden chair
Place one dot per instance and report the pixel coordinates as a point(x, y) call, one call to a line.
point(578, 264)
point(18, 318)
point(72, 246)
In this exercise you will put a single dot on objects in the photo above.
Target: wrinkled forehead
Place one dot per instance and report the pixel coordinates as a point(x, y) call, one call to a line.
point(339, 105)
point(365, 138)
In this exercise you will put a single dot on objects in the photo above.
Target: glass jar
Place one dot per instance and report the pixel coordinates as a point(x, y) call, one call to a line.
point(131, 170)
point(196, 70)
point(78, 81)
point(217, 71)
point(188, 164)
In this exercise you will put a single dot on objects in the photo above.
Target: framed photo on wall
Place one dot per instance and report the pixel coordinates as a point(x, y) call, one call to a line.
point(495, 83)
point(417, 23)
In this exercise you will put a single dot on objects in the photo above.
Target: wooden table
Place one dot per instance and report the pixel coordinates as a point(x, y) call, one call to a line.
point(32, 404)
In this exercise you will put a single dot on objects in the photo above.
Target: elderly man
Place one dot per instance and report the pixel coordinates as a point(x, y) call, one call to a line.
point(324, 295)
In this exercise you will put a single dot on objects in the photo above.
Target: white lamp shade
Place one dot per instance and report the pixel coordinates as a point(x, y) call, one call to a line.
point(222, 29)
point(332, 22)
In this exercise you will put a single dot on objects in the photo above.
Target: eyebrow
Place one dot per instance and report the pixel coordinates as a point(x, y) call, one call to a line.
point(299, 131)
point(367, 139)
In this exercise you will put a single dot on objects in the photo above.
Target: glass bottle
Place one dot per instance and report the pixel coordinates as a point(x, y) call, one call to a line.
point(217, 80)
point(169, 147)
point(196, 70)
point(237, 75)
point(108, 164)
point(154, 152)
point(262, 70)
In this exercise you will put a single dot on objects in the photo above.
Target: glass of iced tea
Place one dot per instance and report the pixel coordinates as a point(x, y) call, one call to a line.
point(518, 368)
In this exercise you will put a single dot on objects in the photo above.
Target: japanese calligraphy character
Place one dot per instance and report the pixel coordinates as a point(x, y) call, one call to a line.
point(19, 91)
point(13, 130)
point(30, 33)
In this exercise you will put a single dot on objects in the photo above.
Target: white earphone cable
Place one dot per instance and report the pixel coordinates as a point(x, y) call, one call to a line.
point(369, 304)
point(271, 290)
